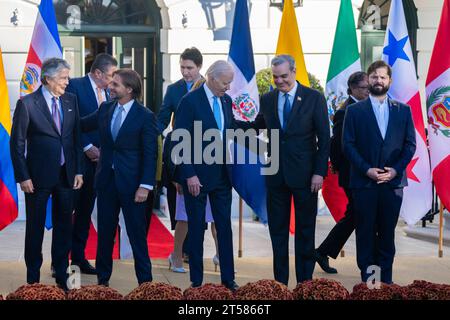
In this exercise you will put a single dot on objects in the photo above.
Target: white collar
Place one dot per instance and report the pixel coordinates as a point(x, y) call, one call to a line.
point(376, 101)
point(127, 106)
point(209, 94)
point(47, 94)
point(291, 92)
point(356, 100)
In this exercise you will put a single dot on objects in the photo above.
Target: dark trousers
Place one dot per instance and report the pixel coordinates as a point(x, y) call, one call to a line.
point(109, 203)
point(220, 200)
point(279, 212)
point(376, 215)
point(149, 209)
point(84, 204)
point(340, 233)
point(172, 203)
point(36, 207)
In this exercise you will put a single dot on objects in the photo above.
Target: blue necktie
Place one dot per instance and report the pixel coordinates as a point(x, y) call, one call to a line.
point(286, 110)
point(217, 116)
point(117, 122)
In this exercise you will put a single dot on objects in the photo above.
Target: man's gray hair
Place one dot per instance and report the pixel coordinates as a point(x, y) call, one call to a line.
point(218, 68)
point(51, 67)
point(282, 58)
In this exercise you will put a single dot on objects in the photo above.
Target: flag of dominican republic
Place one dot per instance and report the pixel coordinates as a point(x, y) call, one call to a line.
point(8, 189)
point(45, 44)
point(417, 196)
point(438, 103)
point(246, 177)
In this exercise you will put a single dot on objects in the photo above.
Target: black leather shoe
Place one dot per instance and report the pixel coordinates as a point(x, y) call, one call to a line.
point(323, 263)
point(232, 285)
point(103, 283)
point(85, 267)
point(62, 285)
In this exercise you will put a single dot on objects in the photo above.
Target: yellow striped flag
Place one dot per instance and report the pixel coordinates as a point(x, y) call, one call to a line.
point(289, 41)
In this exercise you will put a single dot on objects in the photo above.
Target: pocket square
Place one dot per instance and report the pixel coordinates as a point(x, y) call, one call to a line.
point(69, 110)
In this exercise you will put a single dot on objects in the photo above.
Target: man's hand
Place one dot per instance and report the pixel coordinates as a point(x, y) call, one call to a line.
point(141, 195)
point(93, 153)
point(27, 186)
point(194, 185)
point(387, 176)
point(78, 182)
point(179, 188)
point(374, 173)
point(316, 183)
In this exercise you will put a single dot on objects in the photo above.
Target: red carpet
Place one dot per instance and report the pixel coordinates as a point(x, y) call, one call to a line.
point(160, 241)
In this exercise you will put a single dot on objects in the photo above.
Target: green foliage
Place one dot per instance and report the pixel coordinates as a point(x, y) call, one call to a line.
point(264, 80)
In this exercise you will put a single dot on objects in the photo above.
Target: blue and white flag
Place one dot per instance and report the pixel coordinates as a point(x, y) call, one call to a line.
point(246, 177)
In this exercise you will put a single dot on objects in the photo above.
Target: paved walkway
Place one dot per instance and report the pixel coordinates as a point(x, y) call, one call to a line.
point(415, 259)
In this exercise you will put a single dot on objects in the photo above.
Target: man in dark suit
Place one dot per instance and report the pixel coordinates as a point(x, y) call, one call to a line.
point(379, 141)
point(207, 108)
point(300, 115)
point(91, 92)
point(358, 89)
point(125, 172)
point(47, 159)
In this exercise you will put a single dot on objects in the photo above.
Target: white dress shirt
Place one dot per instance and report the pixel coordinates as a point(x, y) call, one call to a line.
point(210, 97)
point(381, 110)
point(126, 109)
point(281, 101)
point(49, 99)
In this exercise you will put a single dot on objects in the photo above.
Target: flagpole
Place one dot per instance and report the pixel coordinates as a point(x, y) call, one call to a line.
point(240, 228)
point(441, 229)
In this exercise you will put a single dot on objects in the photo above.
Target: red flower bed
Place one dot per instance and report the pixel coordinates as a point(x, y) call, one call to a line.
point(209, 291)
point(423, 290)
point(94, 292)
point(155, 291)
point(385, 292)
point(37, 291)
point(320, 289)
point(263, 290)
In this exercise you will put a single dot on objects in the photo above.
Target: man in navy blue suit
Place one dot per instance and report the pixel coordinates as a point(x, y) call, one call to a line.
point(191, 61)
point(379, 141)
point(207, 108)
point(126, 171)
point(91, 91)
point(47, 159)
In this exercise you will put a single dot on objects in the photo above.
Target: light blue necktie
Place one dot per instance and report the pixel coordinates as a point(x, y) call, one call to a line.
point(117, 122)
point(286, 110)
point(216, 110)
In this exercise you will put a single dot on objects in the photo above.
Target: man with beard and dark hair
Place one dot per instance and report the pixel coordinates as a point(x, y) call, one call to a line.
point(358, 86)
point(379, 141)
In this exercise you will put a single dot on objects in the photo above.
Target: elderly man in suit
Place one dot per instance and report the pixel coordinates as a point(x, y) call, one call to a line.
point(47, 159)
point(300, 115)
point(379, 141)
point(207, 108)
point(358, 90)
point(91, 91)
point(125, 173)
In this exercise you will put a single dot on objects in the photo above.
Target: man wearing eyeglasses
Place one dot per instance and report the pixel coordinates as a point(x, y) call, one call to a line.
point(91, 92)
point(358, 90)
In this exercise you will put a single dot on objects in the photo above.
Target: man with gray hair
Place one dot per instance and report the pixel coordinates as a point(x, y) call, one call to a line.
point(207, 108)
point(47, 159)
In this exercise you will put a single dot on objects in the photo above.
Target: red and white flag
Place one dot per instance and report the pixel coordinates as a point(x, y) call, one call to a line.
point(438, 104)
point(417, 196)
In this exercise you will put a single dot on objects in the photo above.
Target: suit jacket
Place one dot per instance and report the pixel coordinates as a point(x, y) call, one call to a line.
point(172, 98)
point(87, 104)
point(365, 147)
point(133, 153)
point(338, 160)
point(304, 145)
point(195, 106)
point(36, 144)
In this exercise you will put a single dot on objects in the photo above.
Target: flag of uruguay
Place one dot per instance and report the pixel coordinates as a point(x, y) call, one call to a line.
point(246, 178)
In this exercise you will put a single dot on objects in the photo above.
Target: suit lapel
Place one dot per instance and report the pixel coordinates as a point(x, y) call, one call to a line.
point(393, 108)
point(275, 109)
point(225, 108)
point(109, 116)
point(41, 104)
point(208, 112)
point(372, 117)
point(298, 100)
point(130, 118)
point(89, 89)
